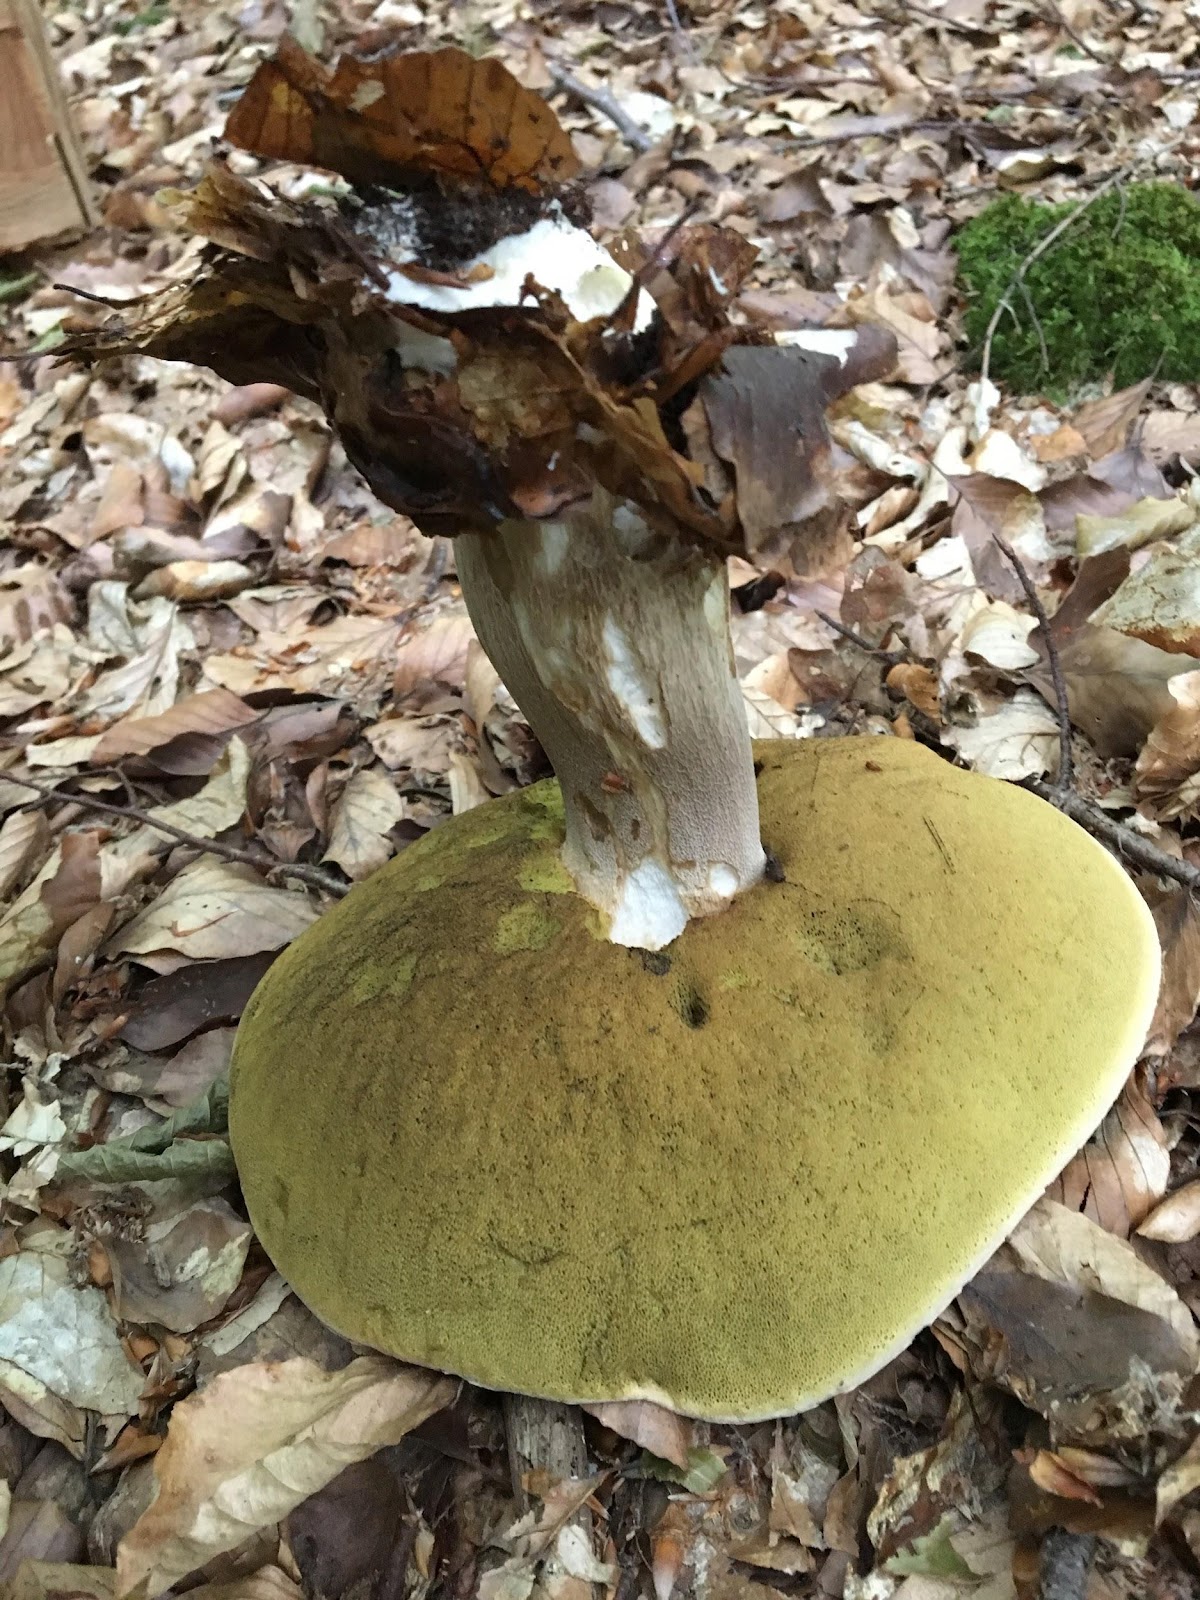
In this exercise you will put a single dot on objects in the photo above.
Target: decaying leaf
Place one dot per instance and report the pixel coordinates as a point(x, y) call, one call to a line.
point(1160, 602)
point(60, 1338)
point(375, 121)
point(1143, 522)
point(254, 1444)
point(184, 1269)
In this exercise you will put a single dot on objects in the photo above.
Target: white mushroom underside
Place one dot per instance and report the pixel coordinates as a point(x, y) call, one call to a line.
point(554, 253)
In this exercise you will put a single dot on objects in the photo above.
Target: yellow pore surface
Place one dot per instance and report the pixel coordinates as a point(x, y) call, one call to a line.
point(735, 1176)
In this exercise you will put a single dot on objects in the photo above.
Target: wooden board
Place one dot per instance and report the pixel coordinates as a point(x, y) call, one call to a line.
point(43, 180)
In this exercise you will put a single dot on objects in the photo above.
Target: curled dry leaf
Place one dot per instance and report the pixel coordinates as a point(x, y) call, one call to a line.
point(374, 121)
point(24, 835)
point(64, 888)
point(1176, 1219)
point(1051, 1473)
point(1178, 1481)
point(247, 400)
point(256, 1442)
point(1105, 423)
point(194, 581)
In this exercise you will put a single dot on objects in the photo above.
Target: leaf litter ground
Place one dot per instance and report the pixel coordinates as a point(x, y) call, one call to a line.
point(232, 684)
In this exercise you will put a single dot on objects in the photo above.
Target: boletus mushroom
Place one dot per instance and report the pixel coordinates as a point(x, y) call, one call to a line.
point(576, 1098)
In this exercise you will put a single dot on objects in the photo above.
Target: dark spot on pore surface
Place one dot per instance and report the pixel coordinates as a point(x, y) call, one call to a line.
point(691, 1005)
point(657, 962)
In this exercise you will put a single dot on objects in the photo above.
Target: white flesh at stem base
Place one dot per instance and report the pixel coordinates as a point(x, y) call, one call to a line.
point(614, 640)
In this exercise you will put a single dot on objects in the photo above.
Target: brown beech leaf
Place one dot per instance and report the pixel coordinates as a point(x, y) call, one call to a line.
point(664, 1433)
point(1117, 687)
point(256, 1442)
point(213, 713)
point(1105, 423)
point(1167, 774)
point(439, 111)
point(1179, 990)
point(432, 658)
point(1123, 1170)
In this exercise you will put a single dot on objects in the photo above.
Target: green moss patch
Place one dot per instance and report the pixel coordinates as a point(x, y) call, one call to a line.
point(1117, 293)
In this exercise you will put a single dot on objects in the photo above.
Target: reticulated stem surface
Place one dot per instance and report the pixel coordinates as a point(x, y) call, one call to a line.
point(614, 641)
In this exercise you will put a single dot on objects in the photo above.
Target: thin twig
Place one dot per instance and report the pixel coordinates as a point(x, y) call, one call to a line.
point(892, 657)
point(601, 100)
point(680, 32)
point(971, 31)
point(228, 852)
point(1018, 278)
point(1037, 323)
point(1062, 709)
point(1132, 846)
point(1074, 35)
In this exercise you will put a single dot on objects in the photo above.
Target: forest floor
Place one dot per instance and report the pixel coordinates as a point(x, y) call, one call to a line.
point(208, 622)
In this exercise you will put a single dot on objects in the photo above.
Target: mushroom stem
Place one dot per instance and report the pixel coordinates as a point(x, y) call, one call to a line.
point(613, 638)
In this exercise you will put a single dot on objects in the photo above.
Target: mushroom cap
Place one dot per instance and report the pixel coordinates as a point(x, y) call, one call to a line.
point(734, 1177)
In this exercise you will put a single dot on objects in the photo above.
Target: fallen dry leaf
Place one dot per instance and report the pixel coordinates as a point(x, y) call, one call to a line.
point(1178, 924)
point(1176, 1219)
point(254, 1444)
point(1019, 740)
point(434, 658)
point(1149, 519)
point(215, 909)
point(363, 814)
point(1160, 602)
point(210, 715)
point(59, 1339)
point(1167, 774)
point(1122, 1172)
point(656, 1429)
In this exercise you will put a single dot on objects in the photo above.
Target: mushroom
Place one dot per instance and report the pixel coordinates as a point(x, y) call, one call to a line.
point(576, 1098)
